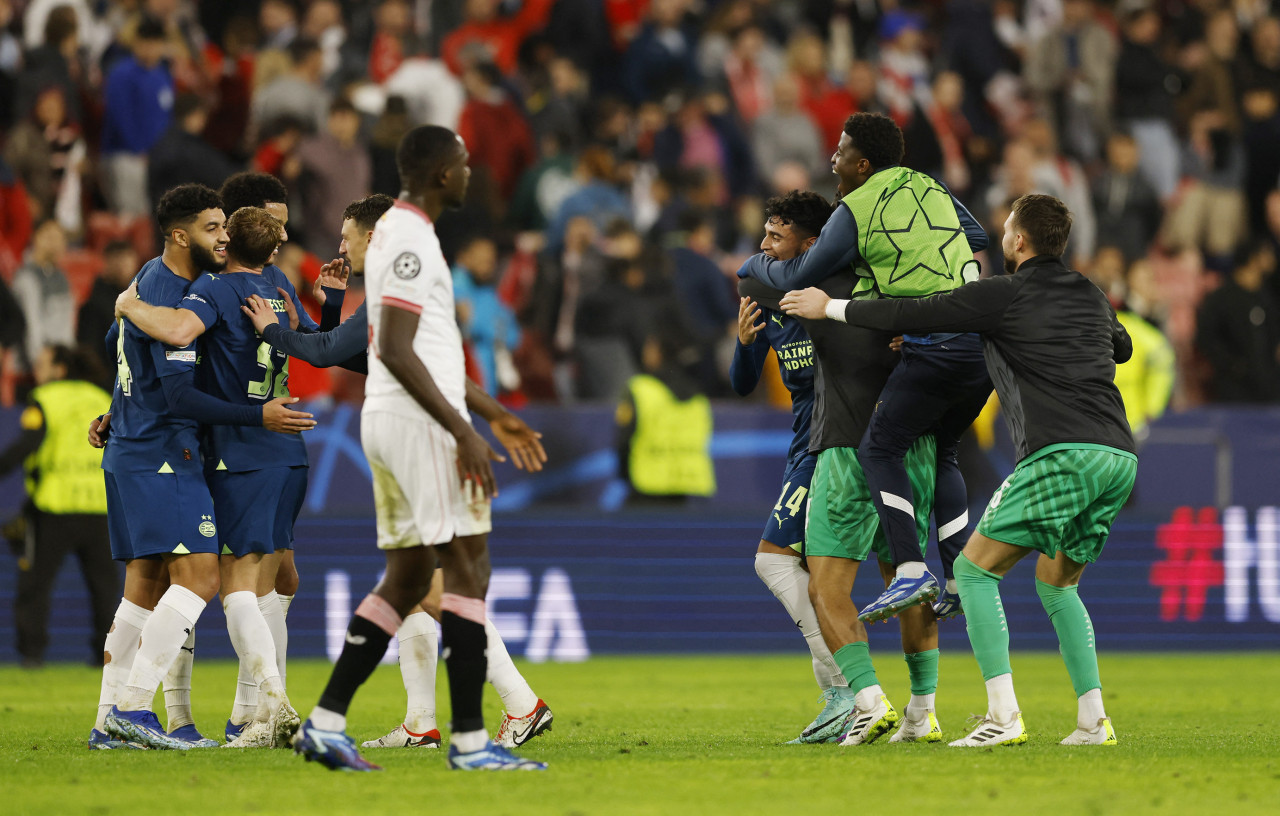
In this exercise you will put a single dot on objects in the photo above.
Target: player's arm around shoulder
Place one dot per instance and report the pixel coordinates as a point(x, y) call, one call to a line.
point(175, 326)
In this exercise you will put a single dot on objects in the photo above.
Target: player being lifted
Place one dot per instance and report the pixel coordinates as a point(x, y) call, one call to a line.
point(1054, 342)
point(905, 235)
point(258, 479)
point(160, 513)
point(432, 476)
point(791, 226)
point(347, 346)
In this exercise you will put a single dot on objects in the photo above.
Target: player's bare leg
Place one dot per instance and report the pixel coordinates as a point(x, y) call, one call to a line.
point(919, 630)
point(193, 583)
point(273, 721)
point(830, 587)
point(978, 570)
point(145, 580)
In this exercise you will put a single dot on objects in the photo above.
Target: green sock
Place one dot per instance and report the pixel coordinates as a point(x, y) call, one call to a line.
point(1075, 634)
point(984, 617)
point(854, 660)
point(923, 668)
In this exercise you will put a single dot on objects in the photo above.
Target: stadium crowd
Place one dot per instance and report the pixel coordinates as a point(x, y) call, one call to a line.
point(623, 150)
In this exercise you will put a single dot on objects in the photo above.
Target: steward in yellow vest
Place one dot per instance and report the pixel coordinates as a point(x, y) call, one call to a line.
point(66, 498)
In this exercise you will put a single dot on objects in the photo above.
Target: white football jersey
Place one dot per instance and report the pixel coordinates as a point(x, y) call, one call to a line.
point(405, 269)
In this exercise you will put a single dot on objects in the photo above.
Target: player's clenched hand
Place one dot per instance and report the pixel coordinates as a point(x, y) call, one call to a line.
point(279, 417)
point(288, 308)
point(130, 293)
point(332, 275)
point(474, 457)
point(810, 303)
point(260, 312)
point(521, 441)
point(98, 431)
point(748, 314)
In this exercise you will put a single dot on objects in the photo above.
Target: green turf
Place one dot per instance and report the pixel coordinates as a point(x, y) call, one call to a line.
point(677, 735)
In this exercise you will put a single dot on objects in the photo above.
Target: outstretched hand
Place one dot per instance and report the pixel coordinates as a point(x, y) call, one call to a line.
point(810, 304)
point(522, 442)
point(333, 275)
point(748, 314)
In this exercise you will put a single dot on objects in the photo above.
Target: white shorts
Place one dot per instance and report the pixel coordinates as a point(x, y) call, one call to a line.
point(417, 493)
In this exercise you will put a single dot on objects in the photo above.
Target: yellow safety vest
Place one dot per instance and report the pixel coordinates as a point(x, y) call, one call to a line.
point(671, 446)
point(64, 475)
point(1146, 380)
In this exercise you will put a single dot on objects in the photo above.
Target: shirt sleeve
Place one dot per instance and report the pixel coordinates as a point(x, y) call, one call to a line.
point(344, 346)
point(415, 271)
point(331, 311)
point(305, 321)
point(189, 402)
point(204, 300)
point(974, 307)
point(1121, 342)
point(747, 364)
point(836, 249)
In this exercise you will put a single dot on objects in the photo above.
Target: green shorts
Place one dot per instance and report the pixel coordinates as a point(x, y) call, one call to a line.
point(842, 521)
point(1062, 500)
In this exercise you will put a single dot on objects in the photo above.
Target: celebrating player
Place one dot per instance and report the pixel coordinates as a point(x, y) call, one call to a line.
point(431, 471)
point(905, 235)
point(347, 346)
point(791, 226)
point(1055, 342)
point(159, 509)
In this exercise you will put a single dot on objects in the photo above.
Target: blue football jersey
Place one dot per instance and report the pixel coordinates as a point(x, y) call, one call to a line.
point(144, 435)
point(794, 351)
point(237, 366)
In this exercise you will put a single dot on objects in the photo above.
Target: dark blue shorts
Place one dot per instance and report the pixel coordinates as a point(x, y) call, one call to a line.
point(153, 514)
point(785, 527)
point(257, 508)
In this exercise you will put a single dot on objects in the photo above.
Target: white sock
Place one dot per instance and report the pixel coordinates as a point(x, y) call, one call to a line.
point(118, 654)
point(918, 706)
point(177, 687)
point(517, 698)
point(162, 638)
point(1002, 703)
point(868, 697)
point(468, 741)
point(419, 653)
point(910, 569)
point(251, 638)
point(1090, 709)
point(327, 720)
point(952, 587)
point(273, 614)
point(285, 602)
point(789, 583)
point(246, 702)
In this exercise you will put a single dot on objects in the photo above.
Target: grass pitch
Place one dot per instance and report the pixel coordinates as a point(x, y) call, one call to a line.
point(680, 735)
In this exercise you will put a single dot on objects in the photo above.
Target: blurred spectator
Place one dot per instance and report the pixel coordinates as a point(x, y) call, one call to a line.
point(15, 220)
point(1056, 171)
point(487, 323)
point(278, 20)
point(827, 103)
point(904, 71)
point(393, 39)
point(138, 100)
point(181, 32)
point(486, 37)
point(715, 40)
point(595, 196)
point(496, 133)
point(13, 325)
point(10, 64)
point(1272, 233)
point(1260, 68)
point(97, 313)
point(1238, 330)
point(1213, 85)
point(561, 108)
point(662, 56)
point(749, 72)
point(704, 294)
point(951, 130)
point(336, 170)
point(434, 95)
point(1210, 215)
point(385, 136)
point(55, 59)
point(231, 67)
point(278, 153)
point(324, 24)
point(47, 151)
point(788, 134)
point(564, 278)
point(298, 93)
point(1146, 379)
point(183, 155)
point(1146, 86)
point(1070, 71)
point(1126, 205)
point(1260, 104)
point(42, 290)
point(544, 187)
